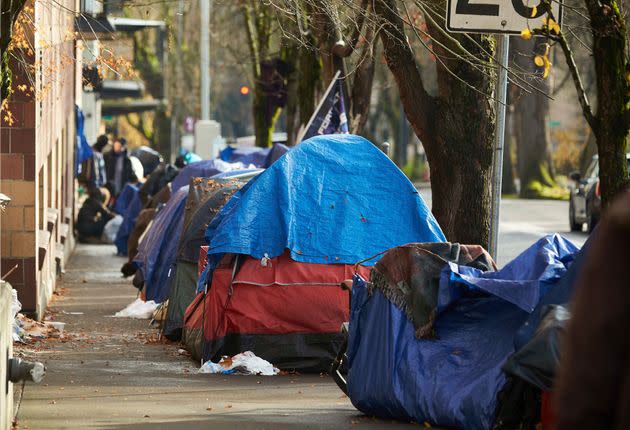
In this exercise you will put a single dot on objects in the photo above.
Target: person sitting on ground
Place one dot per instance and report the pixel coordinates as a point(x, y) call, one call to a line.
point(92, 218)
point(118, 167)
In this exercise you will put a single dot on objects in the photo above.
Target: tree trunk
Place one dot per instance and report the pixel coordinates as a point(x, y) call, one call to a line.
point(456, 127)
point(530, 117)
point(613, 95)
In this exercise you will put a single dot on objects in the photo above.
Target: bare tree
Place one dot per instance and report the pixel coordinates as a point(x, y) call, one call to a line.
point(457, 125)
point(610, 121)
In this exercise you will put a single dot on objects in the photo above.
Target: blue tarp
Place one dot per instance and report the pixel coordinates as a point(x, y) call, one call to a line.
point(129, 221)
point(331, 199)
point(277, 151)
point(259, 157)
point(156, 252)
point(247, 155)
point(453, 380)
point(125, 197)
point(204, 169)
point(83, 149)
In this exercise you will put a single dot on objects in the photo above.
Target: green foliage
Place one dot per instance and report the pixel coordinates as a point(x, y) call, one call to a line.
point(536, 190)
point(6, 77)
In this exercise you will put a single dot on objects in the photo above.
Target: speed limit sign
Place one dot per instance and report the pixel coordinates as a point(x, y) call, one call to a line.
point(497, 16)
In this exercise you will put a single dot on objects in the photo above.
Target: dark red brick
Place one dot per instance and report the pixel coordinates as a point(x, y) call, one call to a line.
point(13, 116)
point(5, 140)
point(29, 167)
point(11, 166)
point(28, 295)
point(17, 276)
point(29, 114)
point(22, 140)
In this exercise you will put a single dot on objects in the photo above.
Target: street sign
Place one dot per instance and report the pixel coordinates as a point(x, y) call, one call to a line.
point(497, 16)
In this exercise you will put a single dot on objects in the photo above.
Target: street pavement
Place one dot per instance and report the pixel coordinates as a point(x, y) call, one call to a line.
point(523, 222)
point(114, 373)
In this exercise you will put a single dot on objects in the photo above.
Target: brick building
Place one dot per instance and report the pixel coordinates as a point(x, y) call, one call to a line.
point(37, 156)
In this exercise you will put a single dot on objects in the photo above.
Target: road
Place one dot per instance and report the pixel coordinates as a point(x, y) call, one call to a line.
point(110, 373)
point(523, 222)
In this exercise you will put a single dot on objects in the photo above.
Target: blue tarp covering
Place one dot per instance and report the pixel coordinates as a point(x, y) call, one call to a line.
point(129, 221)
point(83, 149)
point(125, 197)
point(259, 157)
point(453, 380)
point(247, 155)
point(331, 199)
point(204, 169)
point(277, 151)
point(156, 252)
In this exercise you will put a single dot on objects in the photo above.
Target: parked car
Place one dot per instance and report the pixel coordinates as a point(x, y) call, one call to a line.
point(585, 201)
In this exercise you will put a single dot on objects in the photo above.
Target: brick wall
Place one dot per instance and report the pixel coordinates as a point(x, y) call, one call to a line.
point(36, 156)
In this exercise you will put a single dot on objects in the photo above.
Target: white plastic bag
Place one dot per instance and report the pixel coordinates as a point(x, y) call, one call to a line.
point(246, 363)
point(138, 309)
point(111, 229)
point(16, 307)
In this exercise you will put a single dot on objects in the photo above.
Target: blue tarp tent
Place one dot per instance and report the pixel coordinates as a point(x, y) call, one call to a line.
point(277, 151)
point(125, 197)
point(204, 169)
point(259, 157)
point(331, 199)
point(451, 381)
point(157, 250)
point(130, 215)
point(247, 155)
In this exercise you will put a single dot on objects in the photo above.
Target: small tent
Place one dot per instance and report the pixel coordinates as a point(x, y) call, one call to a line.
point(157, 250)
point(205, 198)
point(453, 378)
point(205, 169)
point(279, 248)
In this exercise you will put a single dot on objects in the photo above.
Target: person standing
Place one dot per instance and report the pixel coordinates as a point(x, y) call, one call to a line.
point(100, 175)
point(118, 167)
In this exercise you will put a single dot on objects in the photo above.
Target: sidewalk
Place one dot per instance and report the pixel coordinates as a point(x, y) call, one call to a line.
point(111, 373)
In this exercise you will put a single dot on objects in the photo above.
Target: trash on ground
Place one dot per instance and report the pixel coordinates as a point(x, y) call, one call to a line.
point(28, 329)
point(138, 309)
point(16, 307)
point(111, 229)
point(245, 363)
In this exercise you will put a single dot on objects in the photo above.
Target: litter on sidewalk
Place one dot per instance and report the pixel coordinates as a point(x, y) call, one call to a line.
point(245, 363)
point(26, 329)
point(138, 309)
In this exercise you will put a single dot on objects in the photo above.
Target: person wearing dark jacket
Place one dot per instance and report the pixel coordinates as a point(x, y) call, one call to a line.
point(118, 167)
point(92, 217)
point(99, 175)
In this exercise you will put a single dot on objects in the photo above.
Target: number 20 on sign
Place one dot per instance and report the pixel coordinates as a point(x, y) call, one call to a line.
point(497, 16)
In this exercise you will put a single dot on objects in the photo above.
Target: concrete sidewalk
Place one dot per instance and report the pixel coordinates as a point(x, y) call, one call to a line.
point(112, 373)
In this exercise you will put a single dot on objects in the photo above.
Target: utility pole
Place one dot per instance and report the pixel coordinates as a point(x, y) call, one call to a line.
point(177, 108)
point(204, 56)
point(503, 45)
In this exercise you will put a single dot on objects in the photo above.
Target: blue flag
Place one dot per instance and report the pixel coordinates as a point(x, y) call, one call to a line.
point(330, 116)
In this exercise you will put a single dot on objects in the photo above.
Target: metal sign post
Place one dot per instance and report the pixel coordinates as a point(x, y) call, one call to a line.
point(503, 46)
point(501, 17)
